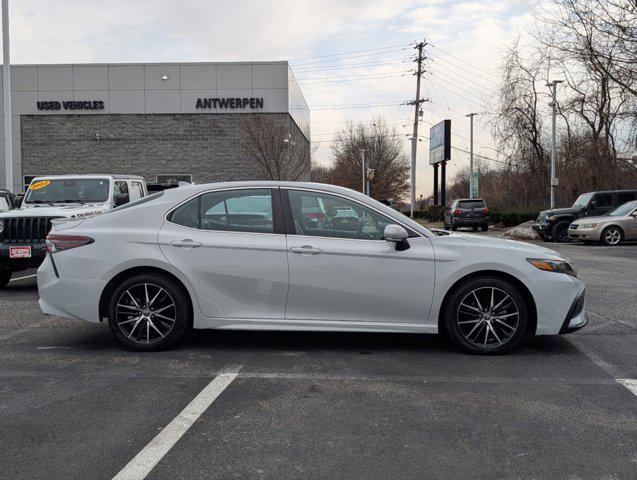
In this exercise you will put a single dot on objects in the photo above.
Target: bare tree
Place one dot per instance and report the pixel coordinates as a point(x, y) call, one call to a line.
point(384, 153)
point(276, 148)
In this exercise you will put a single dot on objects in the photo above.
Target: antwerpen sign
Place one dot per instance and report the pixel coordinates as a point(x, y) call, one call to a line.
point(70, 105)
point(231, 103)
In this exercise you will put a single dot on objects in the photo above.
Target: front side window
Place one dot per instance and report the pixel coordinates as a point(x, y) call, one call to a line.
point(230, 211)
point(603, 200)
point(71, 190)
point(323, 215)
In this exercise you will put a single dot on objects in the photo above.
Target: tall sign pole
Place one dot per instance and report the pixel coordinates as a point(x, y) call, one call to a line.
point(471, 115)
point(414, 138)
point(553, 87)
point(6, 89)
point(362, 150)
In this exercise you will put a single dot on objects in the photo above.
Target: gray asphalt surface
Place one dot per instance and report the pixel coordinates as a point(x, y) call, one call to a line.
point(75, 404)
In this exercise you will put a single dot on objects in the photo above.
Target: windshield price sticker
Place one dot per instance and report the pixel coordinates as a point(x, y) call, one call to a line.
point(38, 185)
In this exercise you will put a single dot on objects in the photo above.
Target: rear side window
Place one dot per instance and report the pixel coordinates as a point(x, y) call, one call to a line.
point(469, 204)
point(233, 210)
point(603, 200)
point(624, 197)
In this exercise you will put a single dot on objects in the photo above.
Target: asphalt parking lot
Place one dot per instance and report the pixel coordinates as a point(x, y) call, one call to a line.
point(75, 405)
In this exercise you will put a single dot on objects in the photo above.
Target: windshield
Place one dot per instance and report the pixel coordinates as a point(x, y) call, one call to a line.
point(582, 200)
point(624, 209)
point(70, 190)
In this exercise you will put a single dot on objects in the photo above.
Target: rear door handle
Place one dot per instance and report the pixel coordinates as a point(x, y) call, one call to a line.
point(186, 243)
point(306, 250)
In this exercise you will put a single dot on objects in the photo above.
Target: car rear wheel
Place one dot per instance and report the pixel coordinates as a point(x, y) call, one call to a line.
point(485, 227)
point(453, 228)
point(474, 228)
point(5, 278)
point(149, 312)
point(486, 315)
point(612, 236)
point(560, 232)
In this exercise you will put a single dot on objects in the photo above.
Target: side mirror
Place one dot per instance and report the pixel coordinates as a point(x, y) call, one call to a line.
point(395, 233)
point(121, 199)
point(18, 199)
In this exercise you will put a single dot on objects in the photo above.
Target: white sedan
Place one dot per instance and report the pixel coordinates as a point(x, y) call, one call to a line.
point(254, 255)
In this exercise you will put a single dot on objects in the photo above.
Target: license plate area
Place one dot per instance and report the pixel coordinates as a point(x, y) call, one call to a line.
point(20, 252)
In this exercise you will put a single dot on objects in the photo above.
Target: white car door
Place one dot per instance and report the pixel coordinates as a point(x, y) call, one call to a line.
point(231, 247)
point(341, 269)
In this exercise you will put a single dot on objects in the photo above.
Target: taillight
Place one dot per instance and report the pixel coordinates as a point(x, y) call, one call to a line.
point(316, 216)
point(485, 211)
point(457, 212)
point(59, 243)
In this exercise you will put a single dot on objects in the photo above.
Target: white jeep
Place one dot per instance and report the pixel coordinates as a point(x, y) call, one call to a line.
point(23, 231)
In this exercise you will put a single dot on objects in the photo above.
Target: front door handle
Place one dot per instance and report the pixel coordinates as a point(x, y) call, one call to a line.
point(187, 243)
point(306, 250)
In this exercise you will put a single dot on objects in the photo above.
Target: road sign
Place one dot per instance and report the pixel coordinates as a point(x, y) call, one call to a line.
point(440, 142)
point(475, 181)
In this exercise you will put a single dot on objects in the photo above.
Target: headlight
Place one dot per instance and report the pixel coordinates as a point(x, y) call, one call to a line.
point(557, 266)
point(589, 225)
point(552, 218)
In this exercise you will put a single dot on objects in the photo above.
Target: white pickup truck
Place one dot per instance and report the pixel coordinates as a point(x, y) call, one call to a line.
point(23, 231)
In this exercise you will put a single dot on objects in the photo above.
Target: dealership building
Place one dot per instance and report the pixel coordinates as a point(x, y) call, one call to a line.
point(166, 121)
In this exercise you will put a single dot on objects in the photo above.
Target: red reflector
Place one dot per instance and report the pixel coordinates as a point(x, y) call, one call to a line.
point(318, 216)
point(58, 243)
point(485, 211)
point(457, 212)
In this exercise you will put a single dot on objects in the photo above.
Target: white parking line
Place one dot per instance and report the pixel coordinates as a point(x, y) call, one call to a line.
point(612, 370)
point(23, 278)
point(142, 464)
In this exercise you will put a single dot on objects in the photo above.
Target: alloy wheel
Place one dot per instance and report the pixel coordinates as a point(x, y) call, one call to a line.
point(612, 236)
point(488, 317)
point(145, 313)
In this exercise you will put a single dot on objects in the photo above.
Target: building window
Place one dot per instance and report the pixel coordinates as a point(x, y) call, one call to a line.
point(173, 177)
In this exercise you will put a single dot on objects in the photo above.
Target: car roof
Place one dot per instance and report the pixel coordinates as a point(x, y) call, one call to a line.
point(625, 190)
point(470, 199)
point(87, 175)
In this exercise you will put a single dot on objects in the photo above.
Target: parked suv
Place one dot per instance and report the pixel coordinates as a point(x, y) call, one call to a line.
point(23, 231)
point(467, 212)
point(552, 225)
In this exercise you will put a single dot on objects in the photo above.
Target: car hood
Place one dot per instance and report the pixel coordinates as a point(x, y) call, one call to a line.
point(66, 211)
point(598, 219)
point(561, 211)
point(528, 249)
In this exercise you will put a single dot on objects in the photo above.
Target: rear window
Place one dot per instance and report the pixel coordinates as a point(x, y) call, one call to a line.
point(471, 204)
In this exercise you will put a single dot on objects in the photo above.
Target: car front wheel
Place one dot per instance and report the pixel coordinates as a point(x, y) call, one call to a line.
point(149, 312)
point(612, 236)
point(560, 232)
point(486, 315)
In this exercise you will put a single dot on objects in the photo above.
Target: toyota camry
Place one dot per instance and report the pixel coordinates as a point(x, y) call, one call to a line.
point(260, 256)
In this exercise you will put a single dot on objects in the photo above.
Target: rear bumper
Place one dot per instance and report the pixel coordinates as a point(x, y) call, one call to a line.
point(38, 252)
point(64, 296)
point(469, 222)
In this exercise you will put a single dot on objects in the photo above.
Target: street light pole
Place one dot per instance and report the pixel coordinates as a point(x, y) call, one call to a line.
point(471, 115)
point(6, 89)
point(553, 87)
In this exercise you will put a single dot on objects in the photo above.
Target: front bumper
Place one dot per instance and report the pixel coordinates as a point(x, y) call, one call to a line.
point(38, 252)
point(576, 317)
point(592, 234)
point(542, 229)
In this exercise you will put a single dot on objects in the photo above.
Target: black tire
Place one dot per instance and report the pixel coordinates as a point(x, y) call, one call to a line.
point(474, 228)
point(559, 232)
point(453, 228)
point(468, 336)
point(485, 227)
point(5, 277)
point(612, 236)
point(120, 320)
point(446, 227)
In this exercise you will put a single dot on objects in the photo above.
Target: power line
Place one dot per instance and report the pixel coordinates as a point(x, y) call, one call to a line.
point(353, 65)
point(369, 105)
point(464, 61)
point(352, 79)
point(340, 59)
point(354, 75)
point(351, 53)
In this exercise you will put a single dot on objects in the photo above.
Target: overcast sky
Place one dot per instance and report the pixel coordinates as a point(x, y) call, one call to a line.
point(467, 39)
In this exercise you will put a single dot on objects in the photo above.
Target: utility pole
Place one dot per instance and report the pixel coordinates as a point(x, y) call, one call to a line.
point(471, 115)
point(553, 87)
point(362, 150)
point(6, 89)
point(414, 139)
